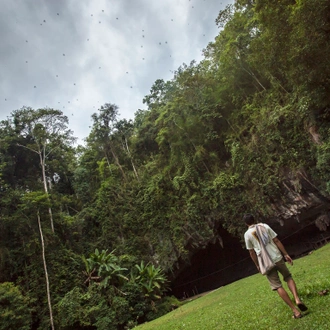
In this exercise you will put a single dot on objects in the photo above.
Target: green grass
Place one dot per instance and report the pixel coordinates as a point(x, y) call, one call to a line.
point(250, 304)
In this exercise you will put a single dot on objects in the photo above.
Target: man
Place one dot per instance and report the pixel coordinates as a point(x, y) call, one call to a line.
point(275, 249)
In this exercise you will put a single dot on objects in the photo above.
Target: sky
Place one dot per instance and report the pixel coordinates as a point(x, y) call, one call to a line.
point(76, 55)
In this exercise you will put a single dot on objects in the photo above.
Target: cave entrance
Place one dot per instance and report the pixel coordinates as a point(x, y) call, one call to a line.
point(217, 265)
point(214, 266)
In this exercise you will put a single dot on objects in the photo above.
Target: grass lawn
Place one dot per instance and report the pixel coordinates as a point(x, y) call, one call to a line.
point(250, 304)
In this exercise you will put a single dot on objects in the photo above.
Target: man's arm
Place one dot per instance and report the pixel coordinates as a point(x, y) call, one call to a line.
point(254, 257)
point(282, 249)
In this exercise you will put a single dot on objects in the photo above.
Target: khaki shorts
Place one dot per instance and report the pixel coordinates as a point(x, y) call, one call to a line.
point(273, 277)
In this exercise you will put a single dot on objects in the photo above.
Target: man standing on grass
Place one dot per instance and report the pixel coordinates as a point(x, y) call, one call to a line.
point(275, 249)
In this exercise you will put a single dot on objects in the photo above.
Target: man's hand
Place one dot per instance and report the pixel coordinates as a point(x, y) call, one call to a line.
point(288, 259)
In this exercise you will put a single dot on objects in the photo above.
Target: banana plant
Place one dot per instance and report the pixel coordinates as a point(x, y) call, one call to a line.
point(103, 268)
point(151, 279)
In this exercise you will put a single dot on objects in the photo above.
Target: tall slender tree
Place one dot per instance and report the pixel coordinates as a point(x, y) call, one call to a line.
point(45, 133)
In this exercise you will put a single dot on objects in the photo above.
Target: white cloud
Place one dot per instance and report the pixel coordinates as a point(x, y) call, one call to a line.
point(77, 52)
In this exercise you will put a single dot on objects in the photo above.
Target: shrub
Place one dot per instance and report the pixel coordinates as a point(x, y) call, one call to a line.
point(14, 310)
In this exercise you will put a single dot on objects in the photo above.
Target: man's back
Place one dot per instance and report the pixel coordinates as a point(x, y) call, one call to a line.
point(252, 241)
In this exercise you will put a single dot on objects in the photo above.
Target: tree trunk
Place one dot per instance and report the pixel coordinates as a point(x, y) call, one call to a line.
point(46, 273)
point(117, 162)
point(254, 77)
point(130, 157)
point(42, 163)
point(107, 158)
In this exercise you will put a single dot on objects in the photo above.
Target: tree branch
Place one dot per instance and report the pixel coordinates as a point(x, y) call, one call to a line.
point(21, 145)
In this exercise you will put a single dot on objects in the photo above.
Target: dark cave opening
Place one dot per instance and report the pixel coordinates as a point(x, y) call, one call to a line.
point(216, 266)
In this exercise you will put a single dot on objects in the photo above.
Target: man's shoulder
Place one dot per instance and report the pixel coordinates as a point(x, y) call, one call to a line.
point(264, 225)
point(248, 232)
point(270, 230)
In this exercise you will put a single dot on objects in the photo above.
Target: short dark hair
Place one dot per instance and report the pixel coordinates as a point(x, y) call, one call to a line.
point(248, 219)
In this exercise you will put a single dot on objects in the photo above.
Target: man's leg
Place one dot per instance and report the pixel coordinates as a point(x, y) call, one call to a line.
point(284, 295)
point(276, 284)
point(292, 286)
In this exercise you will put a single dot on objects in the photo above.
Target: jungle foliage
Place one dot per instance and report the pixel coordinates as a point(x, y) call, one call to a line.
point(216, 140)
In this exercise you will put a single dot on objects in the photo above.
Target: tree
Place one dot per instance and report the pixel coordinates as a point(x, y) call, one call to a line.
point(14, 308)
point(102, 133)
point(38, 200)
point(124, 129)
point(44, 132)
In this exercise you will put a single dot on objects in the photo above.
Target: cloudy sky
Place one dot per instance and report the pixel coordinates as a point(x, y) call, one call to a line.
point(76, 55)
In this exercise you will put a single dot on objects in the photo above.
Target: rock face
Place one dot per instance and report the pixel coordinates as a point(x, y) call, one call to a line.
point(302, 200)
point(301, 220)
point(302, 206)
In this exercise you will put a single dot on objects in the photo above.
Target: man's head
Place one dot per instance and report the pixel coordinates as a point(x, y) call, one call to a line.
point(248, 219)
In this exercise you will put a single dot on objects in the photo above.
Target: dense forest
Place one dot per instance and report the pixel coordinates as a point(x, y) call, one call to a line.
point(90, 235)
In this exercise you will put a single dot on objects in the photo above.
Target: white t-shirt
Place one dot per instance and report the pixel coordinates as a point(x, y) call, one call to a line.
point(252, 242)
